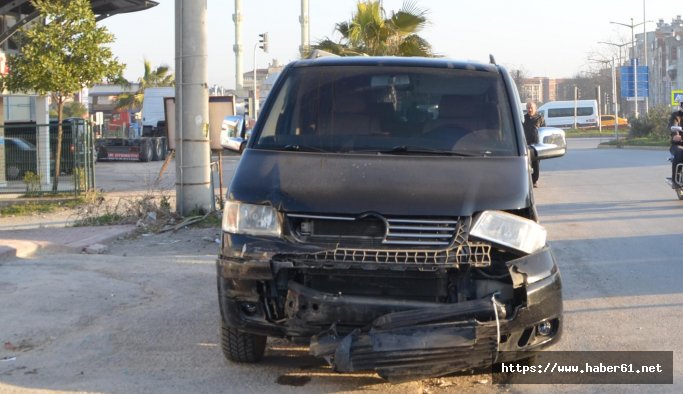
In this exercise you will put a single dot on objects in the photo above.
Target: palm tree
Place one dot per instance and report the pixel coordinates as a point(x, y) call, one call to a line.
point(370, 32)
point(151, 78)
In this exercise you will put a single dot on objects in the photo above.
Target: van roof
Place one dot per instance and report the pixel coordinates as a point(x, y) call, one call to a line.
point(568, 103)
point(396, 61)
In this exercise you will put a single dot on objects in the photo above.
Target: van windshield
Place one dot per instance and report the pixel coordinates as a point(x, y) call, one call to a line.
point(393, 110)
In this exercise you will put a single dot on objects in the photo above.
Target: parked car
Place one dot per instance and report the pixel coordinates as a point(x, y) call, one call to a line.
point(235, 132)
point(383, 212)
point(607, 121)
point(20, 157)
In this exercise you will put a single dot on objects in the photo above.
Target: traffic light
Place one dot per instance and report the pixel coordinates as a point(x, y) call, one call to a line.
point(247, 104)
point(264, 41)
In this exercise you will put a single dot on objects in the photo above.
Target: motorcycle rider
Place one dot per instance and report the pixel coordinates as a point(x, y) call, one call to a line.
point(676, 149)
point(532, 121)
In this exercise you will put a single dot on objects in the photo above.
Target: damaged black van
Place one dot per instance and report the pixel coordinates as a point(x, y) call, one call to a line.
point(383, 213)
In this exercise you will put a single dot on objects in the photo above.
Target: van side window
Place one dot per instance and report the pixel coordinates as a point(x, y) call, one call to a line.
point(561, 112)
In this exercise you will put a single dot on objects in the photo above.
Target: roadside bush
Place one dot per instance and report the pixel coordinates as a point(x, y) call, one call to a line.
point(653, 124)
point(150, 212)
point(32, 181)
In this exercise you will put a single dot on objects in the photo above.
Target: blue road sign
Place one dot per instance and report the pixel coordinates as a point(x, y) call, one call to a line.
point(627, 84)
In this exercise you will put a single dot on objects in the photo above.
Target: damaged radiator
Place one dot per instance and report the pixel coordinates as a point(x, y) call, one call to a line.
point(420, 342)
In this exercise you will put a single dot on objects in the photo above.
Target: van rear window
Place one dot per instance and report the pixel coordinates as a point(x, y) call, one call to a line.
point(368, 108)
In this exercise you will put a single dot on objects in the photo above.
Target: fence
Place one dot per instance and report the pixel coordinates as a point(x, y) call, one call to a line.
point(28, 152)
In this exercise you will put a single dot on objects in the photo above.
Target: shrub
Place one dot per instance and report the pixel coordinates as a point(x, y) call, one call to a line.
point(32, 181)
point(654, 124)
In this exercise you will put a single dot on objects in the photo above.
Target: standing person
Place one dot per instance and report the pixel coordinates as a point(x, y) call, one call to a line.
point(532, 121)
point(676, 119)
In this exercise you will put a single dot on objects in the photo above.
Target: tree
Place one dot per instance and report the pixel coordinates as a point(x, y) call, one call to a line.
point(60, 55)
point(371, 32)
point(151, 78)
point(519, 75)
point(72, 109)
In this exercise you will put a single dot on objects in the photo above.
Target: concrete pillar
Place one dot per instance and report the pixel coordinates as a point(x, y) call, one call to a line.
point(43, 140)
point(193, 154)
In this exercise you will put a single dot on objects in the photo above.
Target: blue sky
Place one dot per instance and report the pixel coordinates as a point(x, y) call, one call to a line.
point(546, 38)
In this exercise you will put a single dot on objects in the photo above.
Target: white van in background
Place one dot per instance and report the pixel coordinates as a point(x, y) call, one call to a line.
point(583, 113)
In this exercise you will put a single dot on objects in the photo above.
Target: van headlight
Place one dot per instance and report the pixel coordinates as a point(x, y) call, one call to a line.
point(510, 231)
point(240, 218)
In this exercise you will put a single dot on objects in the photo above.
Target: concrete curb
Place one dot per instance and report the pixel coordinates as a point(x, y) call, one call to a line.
point(25, 243)
point(661, 148)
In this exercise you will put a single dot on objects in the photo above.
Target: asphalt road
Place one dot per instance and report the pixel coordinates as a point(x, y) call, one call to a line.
point(144, 318)
point(127, 177)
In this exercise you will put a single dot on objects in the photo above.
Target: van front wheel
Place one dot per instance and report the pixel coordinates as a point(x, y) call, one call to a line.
point(241, 347)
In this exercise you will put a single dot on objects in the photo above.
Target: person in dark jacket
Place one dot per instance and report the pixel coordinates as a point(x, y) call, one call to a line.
point(532, 121)
point(676, 119)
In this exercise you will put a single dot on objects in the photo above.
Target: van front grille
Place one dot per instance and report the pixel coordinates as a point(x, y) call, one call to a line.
point(474, 254)
point(369, 230)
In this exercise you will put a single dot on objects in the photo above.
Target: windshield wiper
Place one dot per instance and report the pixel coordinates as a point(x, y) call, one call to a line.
point(302, 148)
point(408, 149)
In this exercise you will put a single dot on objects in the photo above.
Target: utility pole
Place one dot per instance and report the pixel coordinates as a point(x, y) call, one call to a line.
point(193, 168)
point(647, 98)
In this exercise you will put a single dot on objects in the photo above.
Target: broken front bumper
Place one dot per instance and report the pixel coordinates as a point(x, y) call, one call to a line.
point(397, 338)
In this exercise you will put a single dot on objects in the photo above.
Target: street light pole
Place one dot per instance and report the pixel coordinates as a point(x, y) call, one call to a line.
point(615, 98)
point(633, 60)
point(647, 98)
point(635, 71)
point(635, 64)
point(616, 45)
point(254, 110)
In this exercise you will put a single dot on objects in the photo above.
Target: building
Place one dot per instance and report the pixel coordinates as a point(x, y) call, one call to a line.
point(538, 89)
point(665, 59)
point(265, 78)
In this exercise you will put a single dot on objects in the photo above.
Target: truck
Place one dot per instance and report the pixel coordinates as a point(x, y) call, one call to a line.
point(152, 144)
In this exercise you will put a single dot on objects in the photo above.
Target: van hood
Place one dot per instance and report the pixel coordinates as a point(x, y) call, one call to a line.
point(392, 185)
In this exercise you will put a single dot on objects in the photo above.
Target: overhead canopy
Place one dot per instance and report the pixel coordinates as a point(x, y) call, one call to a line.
point(25, 12)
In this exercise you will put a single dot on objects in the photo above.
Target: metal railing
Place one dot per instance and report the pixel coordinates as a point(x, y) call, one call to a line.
point(28, 152)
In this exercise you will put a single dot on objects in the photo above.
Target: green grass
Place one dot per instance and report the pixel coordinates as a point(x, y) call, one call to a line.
point(590, 133)
point(640, 141)
point(26, 208)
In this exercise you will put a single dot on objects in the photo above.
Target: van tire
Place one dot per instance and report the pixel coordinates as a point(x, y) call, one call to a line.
point(241, 347)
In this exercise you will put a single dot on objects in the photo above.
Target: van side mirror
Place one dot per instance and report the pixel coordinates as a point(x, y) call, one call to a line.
point(552, 143)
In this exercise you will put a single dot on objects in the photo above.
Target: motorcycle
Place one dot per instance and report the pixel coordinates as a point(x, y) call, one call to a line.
point(677, 182)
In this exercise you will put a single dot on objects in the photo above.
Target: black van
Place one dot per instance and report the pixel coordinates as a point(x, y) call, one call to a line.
point(383, 213)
